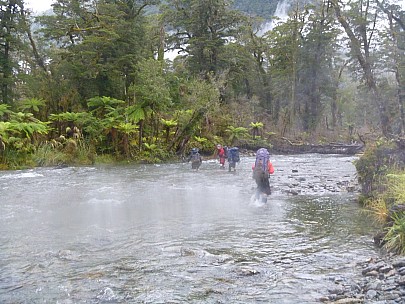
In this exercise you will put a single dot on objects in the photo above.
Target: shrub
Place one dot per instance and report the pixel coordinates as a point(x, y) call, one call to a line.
point(395, 236)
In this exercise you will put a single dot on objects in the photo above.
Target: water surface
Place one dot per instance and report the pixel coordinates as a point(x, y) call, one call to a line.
point(166, 234)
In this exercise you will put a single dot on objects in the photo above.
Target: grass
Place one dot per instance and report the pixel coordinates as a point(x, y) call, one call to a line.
point(388, 208)
point(395, 236)
point(378, 208)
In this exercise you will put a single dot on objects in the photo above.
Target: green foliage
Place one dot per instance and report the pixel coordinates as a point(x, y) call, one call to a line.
point(386, 208)
point(102, 106)
point(23, 129)
point(13, 29)
point(202, 143)
point(70, 152)
point(150, 147)
point(256, 125)
point(48, 155)
point(373, 166)
point(32, 104)
point(4, 109)
point(396, 187)
point(202, 29)
point(378, 208)
point(395, 236)
point(98, 66)
point(127, 128)
point(151, 88)
point(135, 113)
point(78, 118)
point(235, 134)
point(154, 154)
point(170, 123)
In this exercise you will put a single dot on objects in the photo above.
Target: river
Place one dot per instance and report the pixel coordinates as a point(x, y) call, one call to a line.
point(166, 234)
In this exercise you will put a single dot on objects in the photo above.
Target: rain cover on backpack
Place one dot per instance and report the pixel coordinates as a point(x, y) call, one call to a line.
point(195, 156)
point(261, 164)
point(233, 155)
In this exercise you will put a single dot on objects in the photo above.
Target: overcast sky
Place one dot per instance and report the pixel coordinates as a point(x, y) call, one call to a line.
point(43, 5)
point(38, 5)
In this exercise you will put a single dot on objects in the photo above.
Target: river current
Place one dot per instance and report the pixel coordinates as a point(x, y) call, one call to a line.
point(167, 234)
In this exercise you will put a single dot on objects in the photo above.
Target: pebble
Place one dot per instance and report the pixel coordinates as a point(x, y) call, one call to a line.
point(382, 281)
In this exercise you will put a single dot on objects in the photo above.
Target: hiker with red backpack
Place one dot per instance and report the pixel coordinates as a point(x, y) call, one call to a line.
point(262, 169)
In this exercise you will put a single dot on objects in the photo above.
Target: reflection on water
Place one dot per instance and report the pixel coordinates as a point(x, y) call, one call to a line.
point(165, 234)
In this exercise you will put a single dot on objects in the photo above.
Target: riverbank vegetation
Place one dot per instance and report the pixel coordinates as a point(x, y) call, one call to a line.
point(381, 172)
point(145, 81)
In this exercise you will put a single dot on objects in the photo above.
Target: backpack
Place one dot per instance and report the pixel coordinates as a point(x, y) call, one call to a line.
point(195, 156)
point(233, 155)
point(261, 164)
point(225, 151)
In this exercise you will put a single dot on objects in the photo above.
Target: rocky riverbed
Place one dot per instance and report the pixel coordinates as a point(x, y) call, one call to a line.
point(382, 282)
point(382, 278)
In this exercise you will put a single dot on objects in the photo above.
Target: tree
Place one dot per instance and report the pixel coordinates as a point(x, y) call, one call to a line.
point(256, 126)
point(394, 46)
point(316, 58)
point(12, 21)
point(167, 125)
point(200, 100)
point(201, 28)
point(32, 105)
point(126, 129)
point(359, 23)
point(151, 93)
point(99, 45)
point(236, 133)
point(247, 64)
point(284, 42)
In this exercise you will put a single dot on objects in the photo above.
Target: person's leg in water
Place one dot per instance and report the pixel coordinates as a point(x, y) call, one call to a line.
point(263, 190)
point(195, 165)
point(259, 190)
point(222, 162)
point(257, 194)
point(260, 195)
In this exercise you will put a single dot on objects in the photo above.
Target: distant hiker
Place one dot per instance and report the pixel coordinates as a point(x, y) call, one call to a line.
point(221, 153)
point(233, 158)
point(195, 159)
point(261, 173)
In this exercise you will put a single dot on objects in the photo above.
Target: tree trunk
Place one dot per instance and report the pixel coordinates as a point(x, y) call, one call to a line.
point(397, 68)
point(365, 63)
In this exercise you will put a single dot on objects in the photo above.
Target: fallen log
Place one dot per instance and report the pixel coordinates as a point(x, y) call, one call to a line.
point(286, 146)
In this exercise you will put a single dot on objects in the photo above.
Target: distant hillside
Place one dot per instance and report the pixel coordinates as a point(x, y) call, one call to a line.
point(262, 8)
point(266, 8)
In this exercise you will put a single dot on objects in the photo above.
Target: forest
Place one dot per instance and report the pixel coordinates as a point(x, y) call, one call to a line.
point(93, 81)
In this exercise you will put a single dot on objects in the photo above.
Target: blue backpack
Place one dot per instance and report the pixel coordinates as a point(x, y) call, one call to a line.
point(195, 155)
point(233, 155)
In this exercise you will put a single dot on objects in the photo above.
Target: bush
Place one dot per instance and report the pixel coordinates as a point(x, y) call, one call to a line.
point(395, 236)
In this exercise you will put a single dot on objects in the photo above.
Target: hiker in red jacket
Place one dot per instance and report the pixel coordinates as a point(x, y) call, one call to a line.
point(221, 153)
point(270, 167)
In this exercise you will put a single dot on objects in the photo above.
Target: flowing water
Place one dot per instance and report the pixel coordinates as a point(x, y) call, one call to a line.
point(166, 234)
